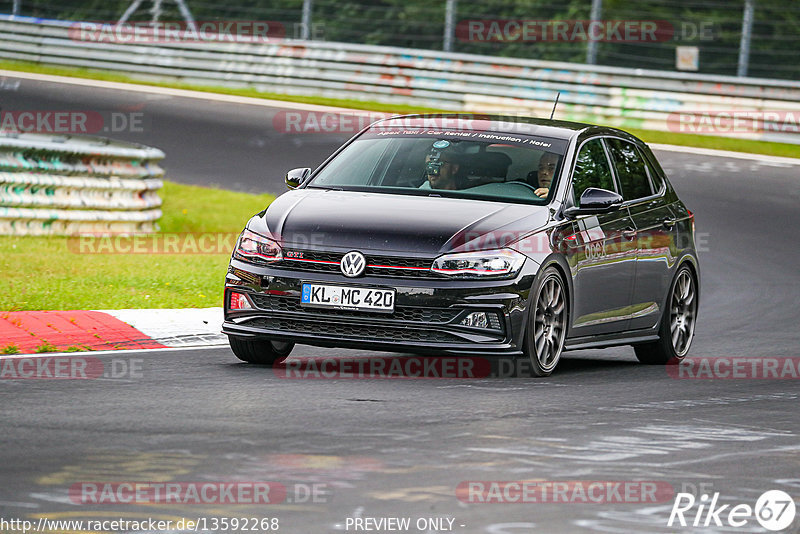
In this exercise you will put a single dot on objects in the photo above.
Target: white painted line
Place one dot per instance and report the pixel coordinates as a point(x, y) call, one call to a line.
point(726, 153)
point(106, 352)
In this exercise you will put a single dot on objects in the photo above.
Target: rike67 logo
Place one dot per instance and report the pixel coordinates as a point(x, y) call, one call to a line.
point(774, 510)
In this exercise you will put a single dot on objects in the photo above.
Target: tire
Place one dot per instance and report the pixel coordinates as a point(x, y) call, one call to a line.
point(259, 350)
point(677, 323)
point(547, 323)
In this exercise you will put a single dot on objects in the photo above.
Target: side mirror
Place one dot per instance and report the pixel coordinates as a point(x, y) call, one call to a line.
point(296, 177)
point(595, 201)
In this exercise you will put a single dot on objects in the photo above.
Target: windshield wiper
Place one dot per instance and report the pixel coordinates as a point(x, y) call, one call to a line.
point(326, 188)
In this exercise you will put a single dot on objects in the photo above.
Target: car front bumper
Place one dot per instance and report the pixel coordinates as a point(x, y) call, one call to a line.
point(427, 315)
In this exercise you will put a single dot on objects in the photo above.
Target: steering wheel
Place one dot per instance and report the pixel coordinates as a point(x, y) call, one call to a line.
point(520, 182)
point(526, 184)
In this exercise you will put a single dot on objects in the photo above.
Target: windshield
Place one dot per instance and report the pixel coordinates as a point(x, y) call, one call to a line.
point(470, 164)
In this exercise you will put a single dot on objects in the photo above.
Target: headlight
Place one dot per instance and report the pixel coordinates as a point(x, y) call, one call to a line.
point(505, 262)
point(255, 248)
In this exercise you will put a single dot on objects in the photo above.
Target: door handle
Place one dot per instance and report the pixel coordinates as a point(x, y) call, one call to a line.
point(668, 223)
point(629, 233)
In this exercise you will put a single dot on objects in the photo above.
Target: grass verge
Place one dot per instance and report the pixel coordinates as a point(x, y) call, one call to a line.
point(718, 143)
point(650, 136)
point(51, 273)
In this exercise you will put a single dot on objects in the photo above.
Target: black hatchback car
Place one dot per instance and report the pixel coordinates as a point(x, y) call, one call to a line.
point(470, 235)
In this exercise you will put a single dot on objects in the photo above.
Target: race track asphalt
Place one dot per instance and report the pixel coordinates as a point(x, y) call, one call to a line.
point(401, 447)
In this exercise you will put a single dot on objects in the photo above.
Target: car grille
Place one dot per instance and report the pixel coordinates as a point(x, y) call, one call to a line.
point(401, 313)
point(392, 266)
point(353, 331)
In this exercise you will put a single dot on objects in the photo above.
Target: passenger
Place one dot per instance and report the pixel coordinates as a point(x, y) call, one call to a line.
point(547, 168)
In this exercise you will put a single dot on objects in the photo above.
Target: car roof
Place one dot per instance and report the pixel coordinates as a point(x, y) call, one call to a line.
point(507, 124)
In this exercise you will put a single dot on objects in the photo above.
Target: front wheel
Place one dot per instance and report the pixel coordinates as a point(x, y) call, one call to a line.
point(547, 323)
point(677, 323)
point(259, 350)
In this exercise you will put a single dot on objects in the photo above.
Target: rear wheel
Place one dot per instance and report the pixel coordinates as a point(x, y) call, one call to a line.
point(677, 323)
point(259, 350)
point(547, 323)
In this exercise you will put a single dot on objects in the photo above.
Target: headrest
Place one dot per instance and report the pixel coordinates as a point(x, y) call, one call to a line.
point(489, 165)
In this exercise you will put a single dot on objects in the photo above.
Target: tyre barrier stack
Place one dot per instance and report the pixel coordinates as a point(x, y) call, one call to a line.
point(68, 185)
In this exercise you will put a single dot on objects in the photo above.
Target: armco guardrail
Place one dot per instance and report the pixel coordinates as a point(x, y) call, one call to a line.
point(767, 109)
point(63, 185)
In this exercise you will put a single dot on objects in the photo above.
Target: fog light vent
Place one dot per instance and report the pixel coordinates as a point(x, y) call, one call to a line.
point(487, 320)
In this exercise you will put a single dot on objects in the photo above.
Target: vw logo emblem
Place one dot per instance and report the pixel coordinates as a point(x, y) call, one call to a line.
point(353, 264)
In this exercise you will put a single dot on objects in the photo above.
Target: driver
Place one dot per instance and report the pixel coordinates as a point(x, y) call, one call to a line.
point(547, 168)
point(441, 167)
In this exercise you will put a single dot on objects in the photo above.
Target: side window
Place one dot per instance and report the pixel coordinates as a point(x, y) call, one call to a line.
point(356, 165)
point(655, 178)
point(630, 168)
point(591, 170)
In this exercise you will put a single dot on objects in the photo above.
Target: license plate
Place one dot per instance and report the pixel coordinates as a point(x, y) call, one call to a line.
point(346, 297)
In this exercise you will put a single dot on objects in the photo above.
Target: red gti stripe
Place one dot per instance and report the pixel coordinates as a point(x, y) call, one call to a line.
point(398, 267)
point(314, 261)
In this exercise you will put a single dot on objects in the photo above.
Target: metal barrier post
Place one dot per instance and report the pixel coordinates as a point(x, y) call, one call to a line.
point(744, 44)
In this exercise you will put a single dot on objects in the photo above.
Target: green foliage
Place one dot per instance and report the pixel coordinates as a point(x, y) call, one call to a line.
point(81, 280)
point(46, 347)
point(420, 24)
point(78, 348)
